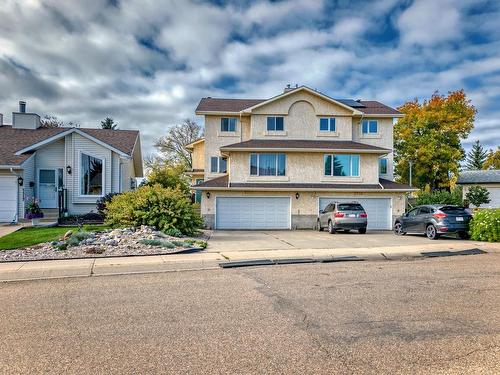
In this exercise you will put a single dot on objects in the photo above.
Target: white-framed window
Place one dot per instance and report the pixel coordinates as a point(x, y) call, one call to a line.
point(341, 165)
point(228, 124)
point(383, 165)
point(327, 124)
point(267, 164)
point(275, 123)
point(91, 175)
point(218, 164)
point(369, 126)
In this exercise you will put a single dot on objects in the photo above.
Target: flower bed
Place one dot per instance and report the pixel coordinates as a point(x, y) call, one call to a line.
point(117, 242)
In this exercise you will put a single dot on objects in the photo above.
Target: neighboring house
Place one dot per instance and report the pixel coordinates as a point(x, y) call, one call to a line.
point(67, 169)
point(197, 173)
point(274, 163)
point(489, 179)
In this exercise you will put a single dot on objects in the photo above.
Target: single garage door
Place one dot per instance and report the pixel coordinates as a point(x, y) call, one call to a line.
point(378, 210)
point(8, 198)
point(252, 213)
point(494, 198)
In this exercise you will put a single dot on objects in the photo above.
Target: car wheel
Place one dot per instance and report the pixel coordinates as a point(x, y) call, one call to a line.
point(362, 230)
point(463, 235)
point(331, 228)
point(398, 229)
point(318, 225)
point(431, 232)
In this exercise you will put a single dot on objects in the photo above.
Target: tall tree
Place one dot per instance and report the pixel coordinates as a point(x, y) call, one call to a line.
point(50, 121)
point(476, 157)
point(109, 123)
point(492, 160)
point(172, 146)
point(429, 136)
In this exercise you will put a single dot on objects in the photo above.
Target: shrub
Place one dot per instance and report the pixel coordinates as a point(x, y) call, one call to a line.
point(157, 243)
point(155, 206)
point(73, 241)
point(81, 235)
point(485, 225)
point(440, 197)
point(174, 232)
point(478, 195)
point(102, 202)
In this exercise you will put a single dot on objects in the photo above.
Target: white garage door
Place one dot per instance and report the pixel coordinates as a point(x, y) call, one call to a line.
point(252, 213)
point(8, 198)
point(378, 210)
point(494, 198)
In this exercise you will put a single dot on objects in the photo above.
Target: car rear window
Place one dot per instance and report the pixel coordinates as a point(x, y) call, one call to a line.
point(453, 210)
point(350, 207)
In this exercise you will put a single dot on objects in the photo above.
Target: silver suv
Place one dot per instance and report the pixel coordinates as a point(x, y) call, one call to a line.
point(343, 215)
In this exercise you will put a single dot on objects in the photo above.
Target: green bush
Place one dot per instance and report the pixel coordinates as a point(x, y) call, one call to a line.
point(485, 225)
point(174, 232)
point(157, 243)
point(440, 197)
point(155, 206)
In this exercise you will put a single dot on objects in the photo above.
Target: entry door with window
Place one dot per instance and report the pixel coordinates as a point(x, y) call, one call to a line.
point(197, 196)
point(47, 188)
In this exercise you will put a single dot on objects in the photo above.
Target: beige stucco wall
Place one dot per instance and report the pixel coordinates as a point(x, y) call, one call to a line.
point(308, 202)
point(198, 155)
point(303, 168)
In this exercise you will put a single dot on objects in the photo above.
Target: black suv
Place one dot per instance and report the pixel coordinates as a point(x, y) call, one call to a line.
point(434, 220)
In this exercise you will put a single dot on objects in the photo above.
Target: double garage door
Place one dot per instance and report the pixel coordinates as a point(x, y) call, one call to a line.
point(378, 210)
point(252, 213)
point(8, 198)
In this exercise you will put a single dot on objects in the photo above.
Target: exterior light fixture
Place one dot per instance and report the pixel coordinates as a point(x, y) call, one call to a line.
point(208, 195)
point(68, 169)
point(297, 195)
point(20, 181)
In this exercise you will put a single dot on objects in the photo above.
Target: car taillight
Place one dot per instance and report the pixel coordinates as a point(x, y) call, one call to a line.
point(339, 214)
point(439, 215)
point(363, 215)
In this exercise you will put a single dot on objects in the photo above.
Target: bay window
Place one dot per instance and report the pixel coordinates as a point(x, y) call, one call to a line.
point(91, 175)
point(341, 165)
point(267, 164)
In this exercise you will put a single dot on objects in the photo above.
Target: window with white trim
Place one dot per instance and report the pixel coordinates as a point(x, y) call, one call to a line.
point(382, 166)
point(228, 124)
point(267, 164)
point(327, 124)
point(341, 165)
point(91, 175)
point(218, 164)
point(275, 124)
point(369, 127)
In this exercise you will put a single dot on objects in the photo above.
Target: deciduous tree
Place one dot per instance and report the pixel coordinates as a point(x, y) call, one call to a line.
point(492, 160)
point(429, 136)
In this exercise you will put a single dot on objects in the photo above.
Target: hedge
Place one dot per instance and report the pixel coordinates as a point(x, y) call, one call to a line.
point(485, 225)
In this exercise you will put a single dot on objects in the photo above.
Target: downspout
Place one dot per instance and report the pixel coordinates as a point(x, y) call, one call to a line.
point(16, 217)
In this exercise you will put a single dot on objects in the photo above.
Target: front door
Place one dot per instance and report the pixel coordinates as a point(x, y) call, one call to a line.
point(197, 195)
point(47, 188)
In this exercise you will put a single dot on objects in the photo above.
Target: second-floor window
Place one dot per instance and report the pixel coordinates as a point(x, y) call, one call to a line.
point(218, 164)
point(228, 124)
point(267, 164)
point(369, 126)
point(275, 124)
point(382, 166)
point(341, 165)
point(327, 124)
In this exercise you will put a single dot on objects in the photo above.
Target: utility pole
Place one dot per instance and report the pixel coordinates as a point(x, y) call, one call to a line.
point(411, 164)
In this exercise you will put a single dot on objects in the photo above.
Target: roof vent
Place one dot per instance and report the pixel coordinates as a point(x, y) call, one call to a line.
point(358, 100)
point(22, 106)
point(288, 88)
point(1, 119)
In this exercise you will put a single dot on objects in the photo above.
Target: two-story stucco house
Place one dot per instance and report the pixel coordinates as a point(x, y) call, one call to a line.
point(66, 169)
point(274, 163)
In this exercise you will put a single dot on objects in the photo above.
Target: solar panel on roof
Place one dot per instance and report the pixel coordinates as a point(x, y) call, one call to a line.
point(350, 103)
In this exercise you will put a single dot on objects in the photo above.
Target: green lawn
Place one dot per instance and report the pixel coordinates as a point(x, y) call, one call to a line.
point(31, 236)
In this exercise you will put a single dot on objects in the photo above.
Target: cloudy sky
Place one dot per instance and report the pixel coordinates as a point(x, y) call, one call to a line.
point(147, 63)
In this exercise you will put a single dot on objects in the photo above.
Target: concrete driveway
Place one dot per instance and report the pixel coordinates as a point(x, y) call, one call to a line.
point(308, 239)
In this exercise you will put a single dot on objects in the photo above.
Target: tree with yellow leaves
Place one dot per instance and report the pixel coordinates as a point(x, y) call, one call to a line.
point(429, 136)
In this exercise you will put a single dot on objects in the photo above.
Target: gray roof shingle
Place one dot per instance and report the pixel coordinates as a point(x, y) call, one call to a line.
point(478, 177)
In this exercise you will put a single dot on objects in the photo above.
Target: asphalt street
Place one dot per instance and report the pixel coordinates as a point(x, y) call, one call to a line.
point(420, 316)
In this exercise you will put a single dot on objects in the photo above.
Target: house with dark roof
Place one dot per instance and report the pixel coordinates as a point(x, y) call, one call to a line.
point(276, 163)
point(66, 169)
point(489, 179)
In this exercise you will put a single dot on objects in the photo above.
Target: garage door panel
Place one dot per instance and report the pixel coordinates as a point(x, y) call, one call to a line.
point(8, 198)
point(253, 213)
point(378, 210)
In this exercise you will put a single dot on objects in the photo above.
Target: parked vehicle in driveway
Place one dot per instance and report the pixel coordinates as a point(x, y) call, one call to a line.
point(434, 220)
point(344, 216)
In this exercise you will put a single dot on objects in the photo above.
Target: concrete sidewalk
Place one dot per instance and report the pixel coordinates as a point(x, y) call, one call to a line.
point(32, 270)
